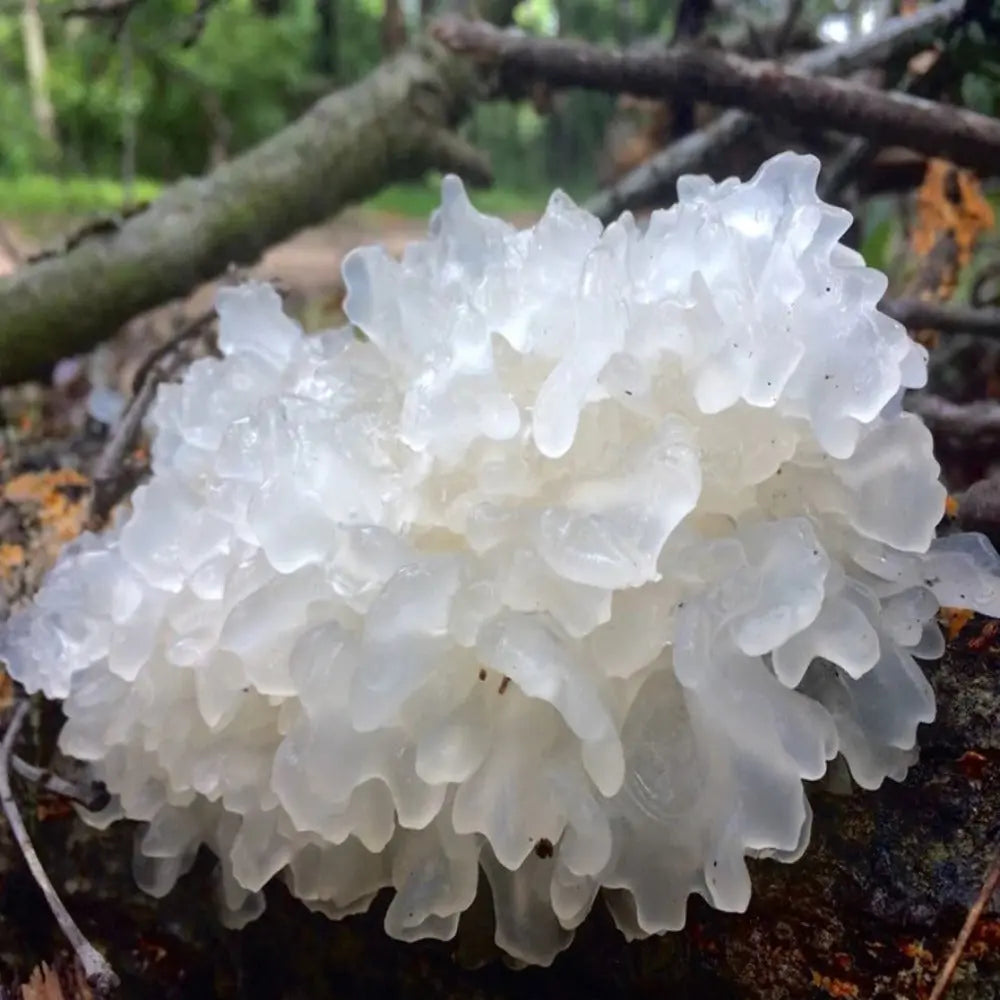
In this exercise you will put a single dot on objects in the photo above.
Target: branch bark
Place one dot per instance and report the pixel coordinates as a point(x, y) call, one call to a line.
point(391, 126)
point(965, 137)
point(976, 425)
point(920, 315)
point(654, 181)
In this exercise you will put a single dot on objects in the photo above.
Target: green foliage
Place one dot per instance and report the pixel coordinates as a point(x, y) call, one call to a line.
point(29, 195)
point(973, 47)
point(244, 77)
point(882, 236)
point(247, 75)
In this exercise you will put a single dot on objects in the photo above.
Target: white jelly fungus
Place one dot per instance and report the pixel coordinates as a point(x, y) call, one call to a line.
point(571, 569)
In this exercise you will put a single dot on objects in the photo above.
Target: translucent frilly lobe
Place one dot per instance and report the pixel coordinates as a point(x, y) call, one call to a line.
point(571, 569)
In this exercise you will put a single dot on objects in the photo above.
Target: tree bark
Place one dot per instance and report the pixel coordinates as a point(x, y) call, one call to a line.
point(919, 314)
point(391, 126)
point(654, 180)
point(765, 88)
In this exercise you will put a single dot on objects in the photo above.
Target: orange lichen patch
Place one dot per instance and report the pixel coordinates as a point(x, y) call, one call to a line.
point(950, 203)
point(11, 556)
point(954, 620)
point(834, 987)
point(6, 690)
point(951, 507)
point(59, 496)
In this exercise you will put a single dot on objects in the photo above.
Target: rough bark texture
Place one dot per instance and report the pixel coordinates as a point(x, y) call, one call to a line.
point(391, 126)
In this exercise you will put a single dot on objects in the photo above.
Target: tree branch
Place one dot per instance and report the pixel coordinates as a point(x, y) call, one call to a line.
point(974, 424)
point(920, 315)
point(384, 129)
point(93, 795)
point(965, 137)
point(100, 976)
point(947, 972)
point(654, 181)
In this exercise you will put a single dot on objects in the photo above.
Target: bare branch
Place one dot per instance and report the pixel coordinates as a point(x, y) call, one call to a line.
point(100, 976)
point(384, 129)
point(834, 178)
point(112, 478)
point(920, 315)
point(654, 180)
point(93, 795)
point(453, 154)
point(979, 507)
point(965, 137)
point(989, 887)
point(959, 424)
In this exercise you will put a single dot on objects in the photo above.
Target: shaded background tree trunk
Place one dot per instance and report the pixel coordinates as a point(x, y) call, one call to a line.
point(327, 40)
point(37, 65)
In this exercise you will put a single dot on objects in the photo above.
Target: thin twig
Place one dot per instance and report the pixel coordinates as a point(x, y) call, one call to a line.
point(193, 328)
point(93, 795)
point(989, 887)
point(111, 479)
point(653, 181)
point(920, 315)
point(835, 175)
point(974, 424)
point(100, 976)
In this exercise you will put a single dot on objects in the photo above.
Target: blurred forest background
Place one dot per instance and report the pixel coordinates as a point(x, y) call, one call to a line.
point(148, 103)
point(100, 109)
